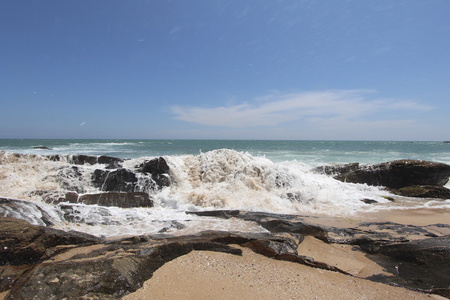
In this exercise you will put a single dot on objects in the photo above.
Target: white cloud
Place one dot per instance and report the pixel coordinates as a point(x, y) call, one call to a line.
point(82, 124)
point(343, 105)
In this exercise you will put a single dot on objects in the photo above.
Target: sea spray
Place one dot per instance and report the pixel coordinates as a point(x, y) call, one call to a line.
point(218, 179)
point(227, 179)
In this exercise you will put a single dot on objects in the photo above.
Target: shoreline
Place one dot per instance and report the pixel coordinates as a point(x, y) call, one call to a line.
point(212, 275)
point(406, 216)
point(203, 274)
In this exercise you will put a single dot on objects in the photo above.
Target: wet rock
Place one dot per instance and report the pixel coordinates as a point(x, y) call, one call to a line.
point(71, 179)
point(71, 197)
point(421, 264)
point(395, 174)
point(434, 250)
point(49, 196)
point(158, 168)
point(24, 243)
point(86, 214)
point(120, 180)
point(110, 271)
point(154, 166)
point(125, 200)
point(9, 275)
point(150, 175)
point(424, 191)
point(111, 162)
point(32, 212)
point(369, 201)
point(42, 148)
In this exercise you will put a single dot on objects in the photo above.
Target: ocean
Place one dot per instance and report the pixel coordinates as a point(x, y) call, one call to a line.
point(206, 175)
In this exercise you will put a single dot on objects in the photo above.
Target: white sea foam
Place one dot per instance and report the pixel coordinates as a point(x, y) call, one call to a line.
point(219, 179)
point(228, 179)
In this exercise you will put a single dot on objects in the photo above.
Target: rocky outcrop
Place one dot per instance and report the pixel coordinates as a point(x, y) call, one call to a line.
point(424, 264)
point(397, 175)
point(158, 168)
point(23, 243)
point(68, 265)
point(120, 180)
point(150, 175)
point(109, 270)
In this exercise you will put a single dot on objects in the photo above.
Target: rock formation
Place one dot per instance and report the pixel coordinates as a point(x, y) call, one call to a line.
point(411, 178)
point(41, 262)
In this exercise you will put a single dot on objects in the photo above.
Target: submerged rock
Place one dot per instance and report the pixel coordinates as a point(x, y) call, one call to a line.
point(42, 148)
point(71, 179)
point(124, 200)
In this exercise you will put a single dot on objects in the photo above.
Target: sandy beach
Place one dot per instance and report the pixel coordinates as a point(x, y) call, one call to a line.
point(211, 275)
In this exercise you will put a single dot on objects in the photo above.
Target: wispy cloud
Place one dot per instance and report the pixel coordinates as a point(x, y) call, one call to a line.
point(311, 106)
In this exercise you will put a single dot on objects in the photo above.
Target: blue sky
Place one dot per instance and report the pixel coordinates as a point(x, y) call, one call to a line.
point(236, 69)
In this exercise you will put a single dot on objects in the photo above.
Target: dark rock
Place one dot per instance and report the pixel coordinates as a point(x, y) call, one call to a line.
point(9, 275)
point(158, 168)
point(421, 264)
point(42, 148)
point(336, 170)
point(395, 174)
point(224, 214)
point(23, 243)
point(71, 197)
point(112, 162)
point(369, 201)
point(55, 157)
point(86, 214)
point(110, 271)
point(49, 196)
point(71, 179)
point(120, 180)
point(294, 197)
point(125, 200)
point(424, 191)
point(154, 166)
point(30, 211)
point(433, 250)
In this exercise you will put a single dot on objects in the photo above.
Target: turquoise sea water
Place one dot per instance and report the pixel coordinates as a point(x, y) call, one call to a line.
point(309, 152)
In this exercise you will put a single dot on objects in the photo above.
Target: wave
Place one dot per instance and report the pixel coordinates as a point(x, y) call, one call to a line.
point(218, 179)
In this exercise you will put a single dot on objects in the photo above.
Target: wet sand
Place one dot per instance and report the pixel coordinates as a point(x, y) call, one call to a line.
point(211, 275)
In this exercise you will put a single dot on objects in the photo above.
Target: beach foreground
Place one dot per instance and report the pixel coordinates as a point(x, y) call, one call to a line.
point(212, 275)
point(303, 257)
